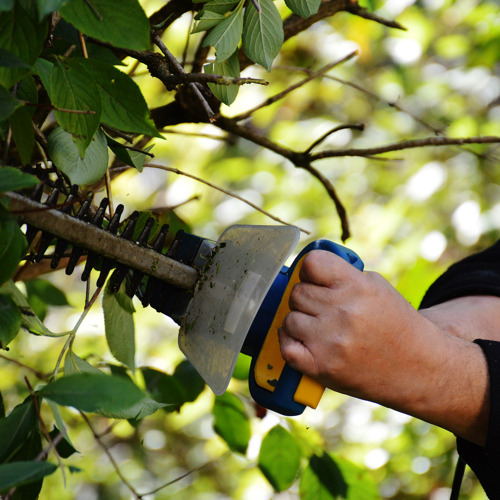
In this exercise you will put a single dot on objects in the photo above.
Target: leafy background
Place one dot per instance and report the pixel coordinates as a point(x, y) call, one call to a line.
point(411, 213)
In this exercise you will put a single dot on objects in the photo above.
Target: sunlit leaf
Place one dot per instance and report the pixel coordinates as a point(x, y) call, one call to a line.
point(279, 458)
point(207, 20)
point(19, 473)
point(231, 422)
point(224, 38)
point(126, 27)
point(66, 156)
point(107, 395)
point(119, 326)
point(73, 365)
point(123, 105)
point(303, 8)
point(74, 92)
point(220, 6)
point(230, 67)
point(128, 156)
point(262, 33)
point(15, 428)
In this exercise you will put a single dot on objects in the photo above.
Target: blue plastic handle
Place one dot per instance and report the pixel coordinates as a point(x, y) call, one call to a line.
point(281, 399)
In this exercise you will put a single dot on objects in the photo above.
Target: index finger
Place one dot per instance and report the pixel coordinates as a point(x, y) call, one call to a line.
point(324, 268)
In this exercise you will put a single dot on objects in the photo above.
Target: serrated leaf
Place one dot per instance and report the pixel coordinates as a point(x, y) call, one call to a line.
point(73, 365)
point(119, 326)
point(72, 88)
point(330, 478)
point(279, 458)
point(122, 102)
point(15, 428)
point(231, 422)
point(25, 472)
point(22, 37)
point(23, 134)
point(206, 20)
point(12, 179)
point(12, 245)
point(262, 33)
point(303, 8)
point(132, 158)
point(8, 104)
point(10, 320)
point(126, 26)
point(106, 395)
point(230, 67)
point(66, 157)
point(224, 38)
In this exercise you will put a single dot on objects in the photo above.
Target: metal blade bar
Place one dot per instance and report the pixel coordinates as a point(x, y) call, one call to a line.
point(101, 242)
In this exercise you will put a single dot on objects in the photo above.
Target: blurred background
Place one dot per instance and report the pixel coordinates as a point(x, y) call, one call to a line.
point(411, 214)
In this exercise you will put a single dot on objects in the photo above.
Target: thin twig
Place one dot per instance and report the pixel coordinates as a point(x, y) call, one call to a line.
point(110, 457)
point(194, 134)
point(410, 144)
point(222, 190)
point(174, 64)
point(38, 374)
point(317, 142)
point(83, 45)
point(280, 95)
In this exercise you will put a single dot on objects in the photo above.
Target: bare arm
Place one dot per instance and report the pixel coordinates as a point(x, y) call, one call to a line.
point(356, 334)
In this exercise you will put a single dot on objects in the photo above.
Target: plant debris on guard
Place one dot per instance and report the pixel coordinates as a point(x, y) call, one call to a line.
point(228, 297)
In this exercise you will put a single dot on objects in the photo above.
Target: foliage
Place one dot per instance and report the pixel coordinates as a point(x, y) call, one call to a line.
point(89, 91)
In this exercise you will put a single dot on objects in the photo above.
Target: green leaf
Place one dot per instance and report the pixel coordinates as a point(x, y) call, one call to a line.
point(12, 179)
point(242, 367)
point(8, 104)
point(303, 8)
point(10, 320)
point(262, 33)
point(10, 60)
point(279, 458)
point(231, 422)
point(132, 158)
point(230, 67)
point(206, 20)
point(73, 365)
point(224, 38)
point(19, 473)
point(126, 26)
point(184, 386)
point(64, 447)
point(16, 428)
point(42, 293)
point(44, 69)
point(329, 478)
point(123, 105)
point(30, 321)
point(73, 89)
point(23, 37)
point(220, 6)
point(66, 157)
point(6, 5)
point(23, 134)
point(107, 395)
point(119, 326)
point(45, 7)
point(12, 245)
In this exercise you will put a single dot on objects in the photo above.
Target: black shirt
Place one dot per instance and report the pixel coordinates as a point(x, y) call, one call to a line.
point(478, 274)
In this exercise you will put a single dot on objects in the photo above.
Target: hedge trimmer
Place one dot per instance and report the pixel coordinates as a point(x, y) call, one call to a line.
point(228, 296)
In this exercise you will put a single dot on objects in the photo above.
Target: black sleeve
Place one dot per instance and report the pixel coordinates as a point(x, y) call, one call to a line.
point(478, 274)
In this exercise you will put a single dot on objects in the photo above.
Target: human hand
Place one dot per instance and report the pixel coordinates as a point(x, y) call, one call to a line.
point(354, 333)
